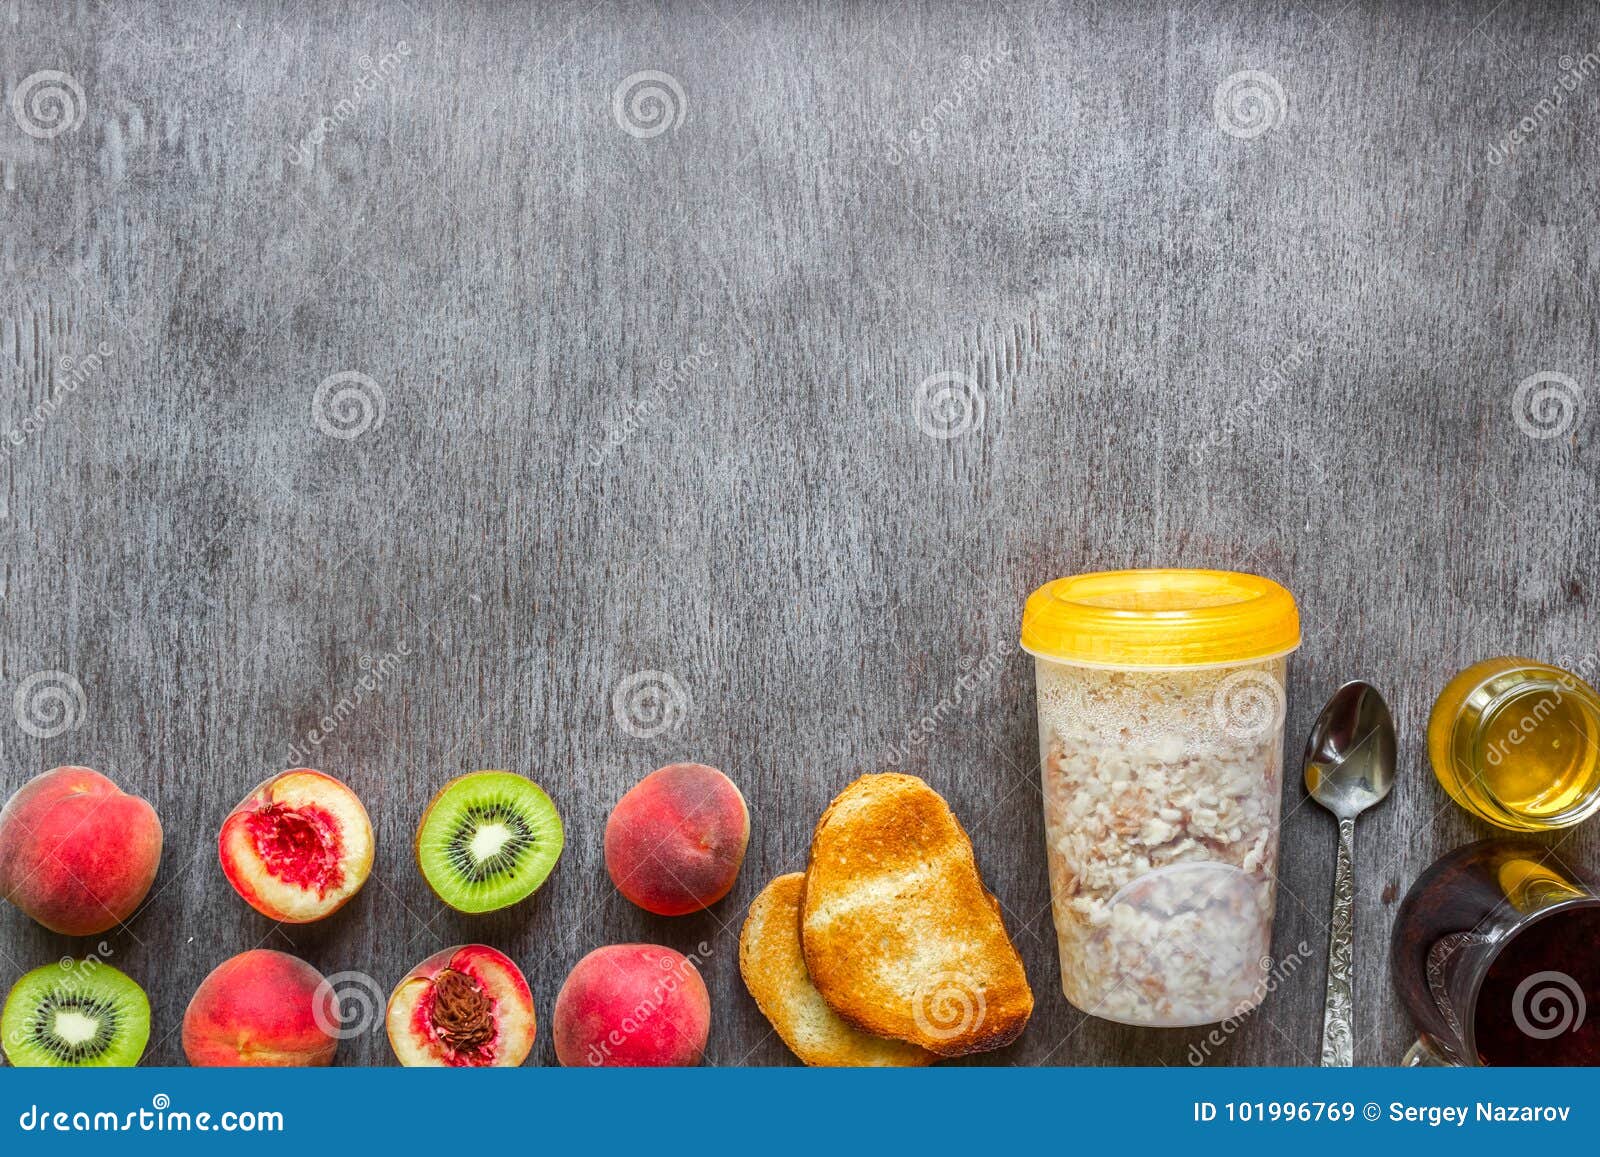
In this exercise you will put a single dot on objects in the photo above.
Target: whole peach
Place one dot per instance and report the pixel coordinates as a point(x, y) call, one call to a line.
point(676, 840)
point(76, 853)
point(260, 1009)
point(632, 1005)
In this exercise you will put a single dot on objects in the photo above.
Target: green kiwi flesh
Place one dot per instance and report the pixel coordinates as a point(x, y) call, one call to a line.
point(488, 840)
point(75, 1014)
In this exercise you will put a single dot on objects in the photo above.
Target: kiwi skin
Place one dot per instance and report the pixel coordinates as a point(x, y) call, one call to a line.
point(427, 812)
point(89, 982)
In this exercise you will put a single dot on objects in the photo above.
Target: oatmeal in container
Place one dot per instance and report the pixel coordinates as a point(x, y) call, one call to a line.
point(1161, 707)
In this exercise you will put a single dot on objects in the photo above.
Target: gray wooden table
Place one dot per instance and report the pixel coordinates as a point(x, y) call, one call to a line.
point(776, 353)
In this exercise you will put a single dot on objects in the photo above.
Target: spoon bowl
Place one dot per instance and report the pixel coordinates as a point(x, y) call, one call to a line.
point(1350, 754)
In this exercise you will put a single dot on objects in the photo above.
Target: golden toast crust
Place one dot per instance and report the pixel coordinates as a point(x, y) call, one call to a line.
point(899, 935)
point(775, 973)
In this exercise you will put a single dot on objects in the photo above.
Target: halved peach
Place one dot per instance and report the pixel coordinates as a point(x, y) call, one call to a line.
point(298, 846)
point(465, 1007)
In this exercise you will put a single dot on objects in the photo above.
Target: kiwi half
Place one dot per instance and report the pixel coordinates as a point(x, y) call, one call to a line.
point(76, 1014)
point(488, 840)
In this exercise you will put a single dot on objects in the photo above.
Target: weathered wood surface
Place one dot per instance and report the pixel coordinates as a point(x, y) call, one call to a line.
point(649, 404)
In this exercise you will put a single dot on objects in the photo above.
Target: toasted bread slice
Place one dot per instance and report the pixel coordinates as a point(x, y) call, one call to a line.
point(775, 973)
point(900, 937)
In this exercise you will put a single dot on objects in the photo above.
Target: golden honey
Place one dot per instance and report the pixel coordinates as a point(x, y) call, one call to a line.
point(1517, 742)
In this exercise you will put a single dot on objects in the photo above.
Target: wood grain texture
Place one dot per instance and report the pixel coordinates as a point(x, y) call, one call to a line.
point(649, 404)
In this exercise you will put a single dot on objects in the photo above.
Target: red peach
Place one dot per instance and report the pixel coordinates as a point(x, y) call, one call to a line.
point(632, 1005)
point(465, 1007)
point(76, 853)
point(676, 840)
point(260, 1009)
point(298, 847)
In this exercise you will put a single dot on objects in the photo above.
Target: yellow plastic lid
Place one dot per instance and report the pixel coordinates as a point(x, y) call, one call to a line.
point(1160, 618)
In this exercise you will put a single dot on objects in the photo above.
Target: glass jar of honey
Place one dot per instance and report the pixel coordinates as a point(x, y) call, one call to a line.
point(1517, 742)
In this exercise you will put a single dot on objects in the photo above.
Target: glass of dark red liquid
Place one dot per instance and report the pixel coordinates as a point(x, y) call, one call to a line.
point(1496, 955)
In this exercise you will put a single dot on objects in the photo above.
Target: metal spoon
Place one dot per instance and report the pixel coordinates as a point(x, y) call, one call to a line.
point(1349, 767)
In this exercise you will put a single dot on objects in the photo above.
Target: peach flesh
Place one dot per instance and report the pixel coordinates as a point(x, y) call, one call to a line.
point(302, 847)
point(261, 1009)
point(465, 1007)
point(298, 847)
point(632, 1005)
point(675, 842)
point(76, 853)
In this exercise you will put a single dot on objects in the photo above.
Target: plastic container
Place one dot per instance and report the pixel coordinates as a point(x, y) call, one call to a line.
point(1161, 708)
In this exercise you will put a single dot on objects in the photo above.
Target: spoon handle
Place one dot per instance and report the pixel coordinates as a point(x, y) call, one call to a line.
point(1338, 1046)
